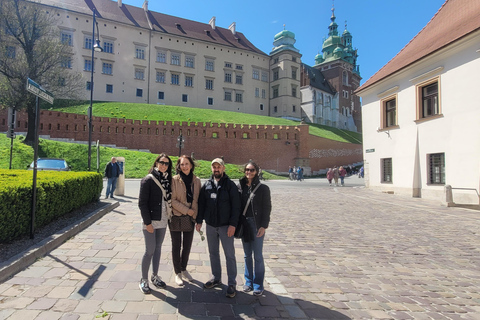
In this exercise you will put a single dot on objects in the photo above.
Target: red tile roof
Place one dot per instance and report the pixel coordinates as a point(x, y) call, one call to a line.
point(453, 21)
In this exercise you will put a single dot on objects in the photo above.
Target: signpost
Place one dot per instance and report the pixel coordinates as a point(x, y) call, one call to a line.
point(39, 92)
point(11, 131)
point(180, 144)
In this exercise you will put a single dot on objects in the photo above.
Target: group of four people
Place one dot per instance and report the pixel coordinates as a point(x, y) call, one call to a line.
point(165, 200)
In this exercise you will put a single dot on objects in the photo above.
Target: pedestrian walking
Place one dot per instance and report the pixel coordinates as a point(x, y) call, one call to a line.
point(256, 205)
point(155, 203)
point(290, 173)
point(330, 176)
point(219, 206)
point(342, 173)
point(112, 172)
point(336, 175)
point(185, 191)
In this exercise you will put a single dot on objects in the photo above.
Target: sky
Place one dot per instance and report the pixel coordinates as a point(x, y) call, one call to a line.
point(380, 28)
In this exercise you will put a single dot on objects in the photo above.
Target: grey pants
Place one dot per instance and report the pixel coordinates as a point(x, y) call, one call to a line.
point(153, 250)
point(214, 237)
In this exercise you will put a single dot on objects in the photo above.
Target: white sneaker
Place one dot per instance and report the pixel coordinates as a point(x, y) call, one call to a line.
point(178, 279)
point(187, 275)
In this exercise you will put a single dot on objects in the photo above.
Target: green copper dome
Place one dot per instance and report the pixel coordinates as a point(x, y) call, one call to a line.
point(284, 33)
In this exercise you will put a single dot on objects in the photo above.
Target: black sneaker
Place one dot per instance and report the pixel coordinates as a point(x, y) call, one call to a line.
point(231, 291)
point(257, 292)
point(247, 288)
point(144, 286)
point(212, 283)
point(157, 282)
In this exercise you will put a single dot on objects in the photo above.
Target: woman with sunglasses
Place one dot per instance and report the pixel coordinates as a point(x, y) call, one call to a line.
point(154, 202)
point(258, 217)
point(185, 191)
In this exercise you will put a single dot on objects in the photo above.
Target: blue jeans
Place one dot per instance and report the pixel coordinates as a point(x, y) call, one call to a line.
point(254, 266)
point(215, 235)
point(342, 179)
point(111, 185)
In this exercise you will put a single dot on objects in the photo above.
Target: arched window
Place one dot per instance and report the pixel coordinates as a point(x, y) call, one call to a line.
point(345, 78)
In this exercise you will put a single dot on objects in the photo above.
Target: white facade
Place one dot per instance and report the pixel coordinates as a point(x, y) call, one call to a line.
point(414, 142)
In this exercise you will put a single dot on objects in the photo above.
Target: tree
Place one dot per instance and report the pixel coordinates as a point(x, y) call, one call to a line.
point(30, 47)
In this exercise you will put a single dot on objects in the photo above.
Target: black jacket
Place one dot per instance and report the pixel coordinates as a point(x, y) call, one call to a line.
point(261, 204)
point(150, 200)
point(108, 170)
point(219, 206)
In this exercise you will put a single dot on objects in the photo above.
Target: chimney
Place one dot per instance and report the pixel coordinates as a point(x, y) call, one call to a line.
point(145, 5)
point(212, 22)
point(119, 3)
point(232, 27)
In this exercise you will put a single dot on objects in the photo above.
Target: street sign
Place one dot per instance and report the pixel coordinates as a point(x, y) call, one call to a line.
point(37, 90)
point(369, 150)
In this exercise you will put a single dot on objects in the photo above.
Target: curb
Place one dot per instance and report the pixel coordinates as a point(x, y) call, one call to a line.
point(26, 258)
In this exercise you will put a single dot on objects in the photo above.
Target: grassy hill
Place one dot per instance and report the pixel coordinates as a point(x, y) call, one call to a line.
point(142, 111)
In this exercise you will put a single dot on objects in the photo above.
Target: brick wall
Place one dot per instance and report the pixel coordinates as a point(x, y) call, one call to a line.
point(272, 147)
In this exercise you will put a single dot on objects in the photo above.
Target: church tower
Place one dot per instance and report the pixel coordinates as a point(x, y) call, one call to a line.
point(338, 63)
point(285, 61)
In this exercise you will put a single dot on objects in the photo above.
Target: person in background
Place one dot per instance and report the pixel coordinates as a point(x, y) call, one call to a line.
point(330, 176)
point(336, 175)
point(342, 172)
point(185, 191)
point(258, 217)
point(154, 202)
point(219, 206)
point(112, 172)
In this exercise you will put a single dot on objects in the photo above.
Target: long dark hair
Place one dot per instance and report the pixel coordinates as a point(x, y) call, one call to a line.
point(157, 160)
point(257, 168)
point(177, 167)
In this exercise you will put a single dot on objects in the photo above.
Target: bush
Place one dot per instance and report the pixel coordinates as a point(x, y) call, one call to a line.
point(58, 193)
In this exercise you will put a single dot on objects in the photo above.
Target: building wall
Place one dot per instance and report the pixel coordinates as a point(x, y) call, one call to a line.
point(455, 132)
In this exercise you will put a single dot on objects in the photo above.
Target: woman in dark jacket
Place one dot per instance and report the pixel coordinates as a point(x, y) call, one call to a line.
point(155, 206)
point(258, 217)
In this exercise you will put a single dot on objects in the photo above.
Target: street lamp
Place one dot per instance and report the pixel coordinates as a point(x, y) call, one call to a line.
point(95, 47)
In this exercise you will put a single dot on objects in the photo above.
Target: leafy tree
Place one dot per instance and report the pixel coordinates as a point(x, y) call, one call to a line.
point(30, 47)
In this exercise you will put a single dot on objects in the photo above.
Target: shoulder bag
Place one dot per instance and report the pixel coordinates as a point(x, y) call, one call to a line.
point(242, 231)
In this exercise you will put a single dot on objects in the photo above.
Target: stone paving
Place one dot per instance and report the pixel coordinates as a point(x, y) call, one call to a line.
point(331, 253)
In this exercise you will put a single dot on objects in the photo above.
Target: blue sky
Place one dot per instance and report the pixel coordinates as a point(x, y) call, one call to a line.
point(380, 28)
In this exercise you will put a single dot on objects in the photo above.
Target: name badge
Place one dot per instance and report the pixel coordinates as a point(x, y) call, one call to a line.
point(213, 195)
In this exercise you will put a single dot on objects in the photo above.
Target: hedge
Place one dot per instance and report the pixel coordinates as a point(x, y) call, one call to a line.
point(58, 193)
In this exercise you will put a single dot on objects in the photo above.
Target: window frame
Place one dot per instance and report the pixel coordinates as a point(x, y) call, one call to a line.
point(208, 84)
point(441, 165)
point(189, 81)
point(386, 168)
point(384, 112)
point(189, 61)
point(108, 46)
point(107, 68)
point(107, 87)
point(176, 59)
point(139, 93)
point(160, 76)
point(175, 76)
point(209, 64)
point(140, 73)
point(419, 88)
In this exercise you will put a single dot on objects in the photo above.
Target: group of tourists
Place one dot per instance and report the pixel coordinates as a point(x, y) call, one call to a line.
point(333, 174)
point(295, 173)
point(183, 204)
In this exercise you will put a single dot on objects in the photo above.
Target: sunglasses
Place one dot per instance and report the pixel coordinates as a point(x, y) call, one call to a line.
point(249, 170)
point(164, 163)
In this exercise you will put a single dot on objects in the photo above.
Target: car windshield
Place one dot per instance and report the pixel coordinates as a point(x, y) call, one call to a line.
point(54, 164)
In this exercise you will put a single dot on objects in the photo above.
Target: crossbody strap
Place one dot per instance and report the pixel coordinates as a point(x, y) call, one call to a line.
point(250, 198)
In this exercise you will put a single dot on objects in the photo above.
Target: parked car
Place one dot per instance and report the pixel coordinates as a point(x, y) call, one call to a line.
point(50, 164)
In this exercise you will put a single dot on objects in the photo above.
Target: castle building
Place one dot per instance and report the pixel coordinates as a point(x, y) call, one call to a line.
point(150, 57)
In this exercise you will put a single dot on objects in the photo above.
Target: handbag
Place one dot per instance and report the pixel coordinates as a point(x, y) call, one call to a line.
point(182, 223)
point(242, 231)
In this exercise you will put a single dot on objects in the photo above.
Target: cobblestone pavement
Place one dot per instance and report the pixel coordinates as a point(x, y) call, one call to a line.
point(331, 253)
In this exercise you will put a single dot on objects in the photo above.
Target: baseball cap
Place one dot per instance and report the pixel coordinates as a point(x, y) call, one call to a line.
point(219, 161)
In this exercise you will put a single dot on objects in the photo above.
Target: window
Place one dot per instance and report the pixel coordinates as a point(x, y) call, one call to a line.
point(175, 79)
point(257, 92)
point(345, 78)
point(294, 73)
point(429, 103)
point(160, 77)
point(264, 93)
point(210, 101)
point(228, 96)
point(88, 42)
point(209, 65)
point(275, 92)
point(238, 79)
point(293, 109)
point(238, 97)
point(239, 67)
point(88, 65)
point(89, 86)
point(209, 84)
point(275, 109)
point(275, 74)
point(11, 53)
point(66, 62)
point(387, 170)
point(175, 59)
point(228, 64)
point(161, 56)
point(294, 91)
point(66, 38)
point(228, 77)
point(189, 62)
point(265, 76)
point(294, 59)
point(184, 97)
point(139, 73)
point(261, 107)
point(256, 74)
point(161, 95)
point(140, 52)
point(107, 68)
point(275, 60)
point(109, 88)
point(436, 170)
point(139, 92)
point(188, 81)
point(389, 112)
point(108, 46)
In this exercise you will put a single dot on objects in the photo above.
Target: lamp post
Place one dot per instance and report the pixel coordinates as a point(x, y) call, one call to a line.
point(95, 47)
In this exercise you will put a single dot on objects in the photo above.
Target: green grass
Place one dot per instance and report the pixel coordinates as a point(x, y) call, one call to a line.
point(137, 163)
point(141, 111)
